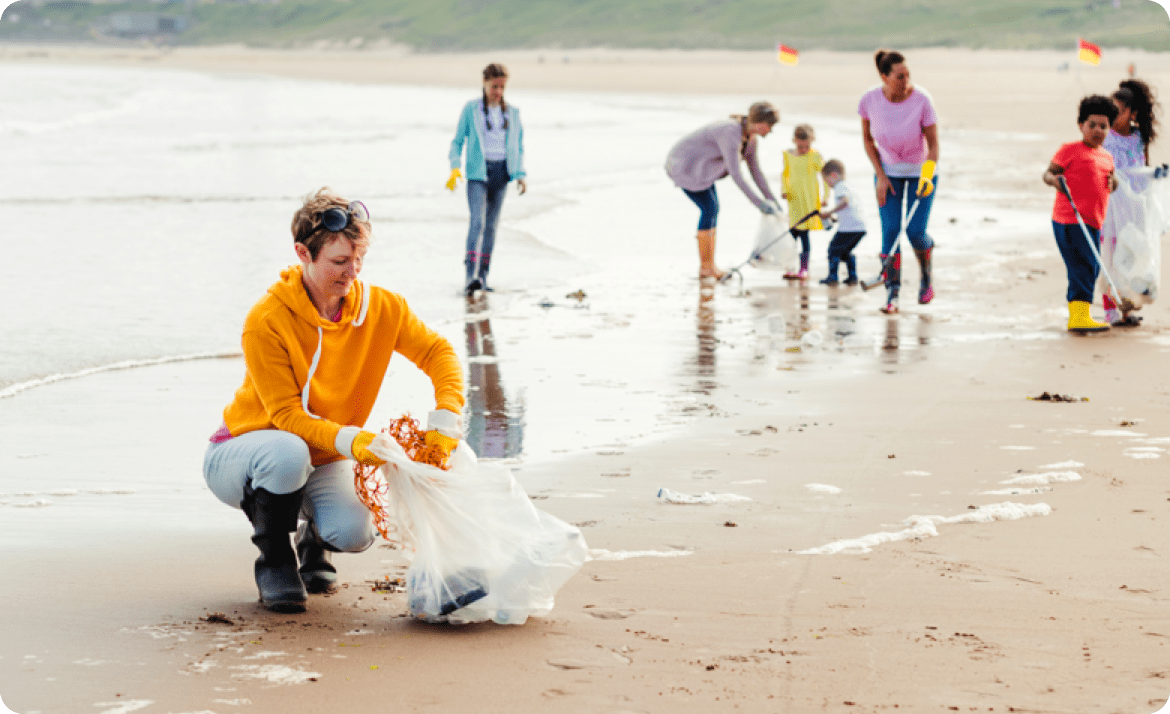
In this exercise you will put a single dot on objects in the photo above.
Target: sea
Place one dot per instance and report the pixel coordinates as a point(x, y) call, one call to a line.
point(144, 211)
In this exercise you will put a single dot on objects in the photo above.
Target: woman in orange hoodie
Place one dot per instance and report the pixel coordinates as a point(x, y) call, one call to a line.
point(316, 348)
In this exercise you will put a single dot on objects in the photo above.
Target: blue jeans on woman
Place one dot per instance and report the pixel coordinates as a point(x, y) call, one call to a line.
point(891, 214)
point(484, 199)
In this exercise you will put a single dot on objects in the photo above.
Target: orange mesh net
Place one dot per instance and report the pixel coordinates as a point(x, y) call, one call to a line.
point(368, 482)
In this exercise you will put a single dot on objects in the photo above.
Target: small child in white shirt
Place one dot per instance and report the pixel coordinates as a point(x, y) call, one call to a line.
point(850, 227)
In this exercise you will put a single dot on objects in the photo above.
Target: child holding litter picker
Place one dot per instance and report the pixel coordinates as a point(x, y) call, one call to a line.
point(802, 166)
point(850, 227)
point(1087, 170)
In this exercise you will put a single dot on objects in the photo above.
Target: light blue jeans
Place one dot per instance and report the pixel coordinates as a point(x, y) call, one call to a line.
point(278, 462)
point(484, 200)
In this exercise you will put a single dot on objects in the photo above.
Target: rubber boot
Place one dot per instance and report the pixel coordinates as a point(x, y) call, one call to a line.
point(484, 263)
point(471, 282)
point(832, 277)
point(893, 280)
point(317, 572)
point(1079, 319)
point(273, 517)
point(851, 265)
point(803, 266)
point(925, 289)
point(707, 267)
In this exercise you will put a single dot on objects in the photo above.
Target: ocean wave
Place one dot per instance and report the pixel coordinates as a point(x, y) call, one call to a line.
point(13, 390)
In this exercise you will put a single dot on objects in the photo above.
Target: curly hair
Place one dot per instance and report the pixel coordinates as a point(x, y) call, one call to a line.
point(1096, 104)
point(307, 229)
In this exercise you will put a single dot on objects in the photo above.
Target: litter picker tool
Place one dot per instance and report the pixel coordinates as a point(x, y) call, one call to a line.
point(1124, 303)
point(890, 257)
point(758, 253)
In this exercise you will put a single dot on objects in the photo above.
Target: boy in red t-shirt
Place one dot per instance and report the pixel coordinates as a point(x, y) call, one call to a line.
point(1088, 170)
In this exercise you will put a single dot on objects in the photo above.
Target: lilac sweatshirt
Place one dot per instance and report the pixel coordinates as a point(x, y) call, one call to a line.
point(706, 155)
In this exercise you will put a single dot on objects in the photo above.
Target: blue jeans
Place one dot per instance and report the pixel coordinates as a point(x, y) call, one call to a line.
point(841, 251)
point(708, 202)
point(1078, 259)
point(891, 214)
point(278, 462)
point(484, 199)
point(800, 235)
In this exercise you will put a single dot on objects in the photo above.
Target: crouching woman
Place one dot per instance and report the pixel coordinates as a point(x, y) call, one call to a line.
point(316, 348)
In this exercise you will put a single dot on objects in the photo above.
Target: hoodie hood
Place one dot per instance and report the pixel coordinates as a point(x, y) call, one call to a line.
point(292, 292)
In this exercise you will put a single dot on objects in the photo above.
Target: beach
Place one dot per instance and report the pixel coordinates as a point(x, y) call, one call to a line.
point(922, 533)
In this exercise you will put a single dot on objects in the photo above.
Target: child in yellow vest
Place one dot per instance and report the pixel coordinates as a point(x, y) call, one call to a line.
point(802, 189)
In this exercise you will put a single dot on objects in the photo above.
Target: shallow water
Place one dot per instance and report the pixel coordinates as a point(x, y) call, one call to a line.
point(148, 210)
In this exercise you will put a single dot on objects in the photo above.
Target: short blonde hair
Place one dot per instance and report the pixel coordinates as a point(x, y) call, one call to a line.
point(804, 132)
point(307, 229)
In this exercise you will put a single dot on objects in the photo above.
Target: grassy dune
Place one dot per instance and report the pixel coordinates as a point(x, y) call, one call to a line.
point(453, 25)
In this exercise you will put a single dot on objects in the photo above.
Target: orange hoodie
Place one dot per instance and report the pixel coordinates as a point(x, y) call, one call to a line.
point(309, 376)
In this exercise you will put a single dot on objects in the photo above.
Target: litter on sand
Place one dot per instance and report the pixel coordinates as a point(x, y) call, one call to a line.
point(1046, 397)
point(704, 498)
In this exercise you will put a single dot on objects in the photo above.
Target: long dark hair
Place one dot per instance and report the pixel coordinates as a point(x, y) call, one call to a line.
point(1139, 98)
point(494, 71)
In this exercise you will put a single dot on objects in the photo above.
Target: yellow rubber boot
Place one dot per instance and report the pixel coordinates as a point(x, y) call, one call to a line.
point(1079, 319)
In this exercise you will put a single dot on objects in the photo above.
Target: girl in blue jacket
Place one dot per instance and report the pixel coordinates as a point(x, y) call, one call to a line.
point(495, 156)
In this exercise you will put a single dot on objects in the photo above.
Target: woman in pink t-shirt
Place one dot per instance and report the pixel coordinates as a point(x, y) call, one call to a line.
point(900, 129)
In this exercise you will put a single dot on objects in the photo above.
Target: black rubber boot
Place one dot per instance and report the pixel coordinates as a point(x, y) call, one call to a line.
point(317, 573)
point(893, 280)
point(273, 517)
point(925, 288)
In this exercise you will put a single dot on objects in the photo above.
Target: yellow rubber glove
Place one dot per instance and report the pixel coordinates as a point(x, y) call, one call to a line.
point(456, 174)
point(446, 443)
point(925, 180)
point(361, 449)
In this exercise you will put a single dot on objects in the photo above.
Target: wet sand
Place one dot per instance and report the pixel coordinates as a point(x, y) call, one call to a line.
point(921, 414)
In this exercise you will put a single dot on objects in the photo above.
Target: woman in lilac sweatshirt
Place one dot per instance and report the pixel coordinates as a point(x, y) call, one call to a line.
point(708, 154)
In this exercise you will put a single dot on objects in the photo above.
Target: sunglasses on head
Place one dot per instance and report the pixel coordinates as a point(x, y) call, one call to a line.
point(338, 219)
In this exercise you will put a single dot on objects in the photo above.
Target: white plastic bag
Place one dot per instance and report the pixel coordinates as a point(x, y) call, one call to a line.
point(482, 551)
point(770, 253)
point(1131, 235)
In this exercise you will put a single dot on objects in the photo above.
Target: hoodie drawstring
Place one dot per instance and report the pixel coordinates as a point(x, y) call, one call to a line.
point(361, 318)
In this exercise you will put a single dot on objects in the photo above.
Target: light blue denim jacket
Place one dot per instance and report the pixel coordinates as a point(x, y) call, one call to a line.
point(469, 130)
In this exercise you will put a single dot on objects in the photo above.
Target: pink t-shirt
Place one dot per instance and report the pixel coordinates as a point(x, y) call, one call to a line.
point(897, 128)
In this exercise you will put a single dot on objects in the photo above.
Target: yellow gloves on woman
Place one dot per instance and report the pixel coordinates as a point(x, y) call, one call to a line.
point(361, 449)
point(456, 174)
point(926, 179)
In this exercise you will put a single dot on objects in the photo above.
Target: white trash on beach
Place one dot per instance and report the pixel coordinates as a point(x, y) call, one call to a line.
point(777, 324)
point(480, 549)
point(812, 341)
point(704, 498)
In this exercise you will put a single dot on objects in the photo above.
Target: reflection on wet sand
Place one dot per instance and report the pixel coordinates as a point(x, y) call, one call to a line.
point(494, 427)
point(843, 319)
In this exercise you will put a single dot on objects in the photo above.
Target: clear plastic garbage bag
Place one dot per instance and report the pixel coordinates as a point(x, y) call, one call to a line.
point(770, 253)
point(481, 550)
point(1131, 235)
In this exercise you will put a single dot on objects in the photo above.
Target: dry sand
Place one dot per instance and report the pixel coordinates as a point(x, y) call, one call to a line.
point(1063, 612)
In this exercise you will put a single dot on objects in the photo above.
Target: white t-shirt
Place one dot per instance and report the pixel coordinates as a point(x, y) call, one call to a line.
point(494, 147)
point(848, 218)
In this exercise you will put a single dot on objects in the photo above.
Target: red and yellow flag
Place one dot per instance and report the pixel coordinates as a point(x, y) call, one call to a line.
point(1088, 52)
point(787, 55)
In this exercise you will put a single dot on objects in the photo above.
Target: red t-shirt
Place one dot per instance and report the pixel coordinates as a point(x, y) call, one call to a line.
point(1087, 173)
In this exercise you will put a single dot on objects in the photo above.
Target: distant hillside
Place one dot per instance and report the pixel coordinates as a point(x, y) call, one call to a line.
point(456, 25)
